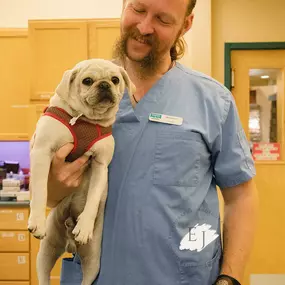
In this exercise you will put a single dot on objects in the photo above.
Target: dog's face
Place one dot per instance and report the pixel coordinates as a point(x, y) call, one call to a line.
point(94, 88)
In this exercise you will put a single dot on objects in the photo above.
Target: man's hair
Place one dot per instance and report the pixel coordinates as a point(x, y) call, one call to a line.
point(179, 47)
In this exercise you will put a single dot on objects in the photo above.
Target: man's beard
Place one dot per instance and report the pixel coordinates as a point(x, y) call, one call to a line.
point(150, 64)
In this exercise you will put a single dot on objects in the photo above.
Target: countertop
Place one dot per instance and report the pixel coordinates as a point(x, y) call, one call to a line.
point(14, 204)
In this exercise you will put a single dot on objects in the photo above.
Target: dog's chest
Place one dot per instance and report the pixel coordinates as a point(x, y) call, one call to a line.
point(84, 134)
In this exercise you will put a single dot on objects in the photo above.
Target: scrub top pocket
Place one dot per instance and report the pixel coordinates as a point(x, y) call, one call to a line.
point(202, 274)
point(177, 158)
point(71, 273)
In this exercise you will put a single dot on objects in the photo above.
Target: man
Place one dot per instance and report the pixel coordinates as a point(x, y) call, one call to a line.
point(162, 222)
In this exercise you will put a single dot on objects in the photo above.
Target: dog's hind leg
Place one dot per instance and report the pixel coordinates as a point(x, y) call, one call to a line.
point(51, 248)
point(90, 253)
point(46, 259)
point(90, 265)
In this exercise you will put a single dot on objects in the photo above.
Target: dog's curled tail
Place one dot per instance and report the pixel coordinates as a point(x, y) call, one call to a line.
point(70, 243)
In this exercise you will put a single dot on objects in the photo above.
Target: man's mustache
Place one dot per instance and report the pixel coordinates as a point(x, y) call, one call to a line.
point(148, 39)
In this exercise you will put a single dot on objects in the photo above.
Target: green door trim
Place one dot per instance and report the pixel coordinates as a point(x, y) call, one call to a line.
point(245, 46)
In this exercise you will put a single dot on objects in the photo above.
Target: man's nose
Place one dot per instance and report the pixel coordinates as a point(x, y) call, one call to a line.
point(145, 26)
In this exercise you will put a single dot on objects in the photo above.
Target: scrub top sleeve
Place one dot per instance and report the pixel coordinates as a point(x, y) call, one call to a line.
point(232, 159)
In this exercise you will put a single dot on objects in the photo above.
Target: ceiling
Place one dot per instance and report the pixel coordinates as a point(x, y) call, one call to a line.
point(256, 80)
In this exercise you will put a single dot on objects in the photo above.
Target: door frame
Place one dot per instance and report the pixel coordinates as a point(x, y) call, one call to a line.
point(229, 47)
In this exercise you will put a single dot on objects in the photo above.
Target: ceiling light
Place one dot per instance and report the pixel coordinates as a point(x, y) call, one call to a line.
point(265, 76)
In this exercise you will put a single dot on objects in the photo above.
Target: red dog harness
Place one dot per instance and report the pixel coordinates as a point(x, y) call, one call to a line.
point(85, 134)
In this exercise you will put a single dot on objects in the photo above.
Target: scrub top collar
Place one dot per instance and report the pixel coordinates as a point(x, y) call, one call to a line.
point(127, 113)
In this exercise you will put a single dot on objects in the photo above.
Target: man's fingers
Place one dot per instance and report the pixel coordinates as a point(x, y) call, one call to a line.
point(78, 165)
point(75, 180)
point(62, 153)
point(68, 173)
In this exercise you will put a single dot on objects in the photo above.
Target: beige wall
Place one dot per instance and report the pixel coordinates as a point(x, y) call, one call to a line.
point(244, 21)
point(16, 13)
point(199, 38)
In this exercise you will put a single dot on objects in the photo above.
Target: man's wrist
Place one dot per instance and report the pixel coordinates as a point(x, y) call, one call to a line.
point(224, 279)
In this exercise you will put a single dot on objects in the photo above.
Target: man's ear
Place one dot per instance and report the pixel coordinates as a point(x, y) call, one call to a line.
point(64, 86)
point(187, 24)
point(129, 84)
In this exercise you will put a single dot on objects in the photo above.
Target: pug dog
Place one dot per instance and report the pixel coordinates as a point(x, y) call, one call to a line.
point(81, 112)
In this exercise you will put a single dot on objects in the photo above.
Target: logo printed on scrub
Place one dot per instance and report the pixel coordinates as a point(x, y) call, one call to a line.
point(198, 238)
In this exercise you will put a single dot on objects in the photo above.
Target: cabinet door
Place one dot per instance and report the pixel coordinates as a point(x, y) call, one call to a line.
point(13, 218)
point(14, 241)
point(102, 37)
point(14, 266)
point(55, 46)
point(14, 82)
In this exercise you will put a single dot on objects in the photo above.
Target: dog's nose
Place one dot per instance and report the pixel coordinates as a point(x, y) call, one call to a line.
point(104, 85)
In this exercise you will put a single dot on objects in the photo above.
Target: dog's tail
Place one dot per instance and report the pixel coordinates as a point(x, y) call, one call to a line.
point(70, 244)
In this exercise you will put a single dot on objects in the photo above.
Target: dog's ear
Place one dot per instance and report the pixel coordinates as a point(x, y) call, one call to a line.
point(129, 84)
point(63, 87)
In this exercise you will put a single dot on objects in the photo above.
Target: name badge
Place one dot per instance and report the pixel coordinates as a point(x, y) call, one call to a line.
point(161, 118)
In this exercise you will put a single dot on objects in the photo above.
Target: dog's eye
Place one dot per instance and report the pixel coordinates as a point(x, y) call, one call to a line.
point(115, 80)
point(88, 81)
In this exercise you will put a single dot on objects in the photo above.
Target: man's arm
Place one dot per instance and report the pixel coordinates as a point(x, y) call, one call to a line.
point(241, 204)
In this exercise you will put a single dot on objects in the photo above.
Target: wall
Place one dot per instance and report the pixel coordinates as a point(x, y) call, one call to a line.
point(244, 21)
point(199, 56)
point(16, 13)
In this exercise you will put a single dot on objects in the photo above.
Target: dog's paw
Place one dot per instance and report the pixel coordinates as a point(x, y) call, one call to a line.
point(37, 227)
point(83, 231)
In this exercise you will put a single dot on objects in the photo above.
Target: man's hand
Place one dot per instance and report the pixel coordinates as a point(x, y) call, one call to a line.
point(69, 174)
point(64, 177)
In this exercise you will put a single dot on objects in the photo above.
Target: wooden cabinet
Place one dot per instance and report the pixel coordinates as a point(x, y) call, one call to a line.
point(13, 218)
point(14, 266)
point(58, 45)
point(19, 249)
point(14, 246)
point(14, 241)
point(55, 46)
point(14, 82)
point(102, 37)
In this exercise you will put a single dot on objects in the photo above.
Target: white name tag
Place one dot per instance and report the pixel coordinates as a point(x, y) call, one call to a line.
point(161, 118)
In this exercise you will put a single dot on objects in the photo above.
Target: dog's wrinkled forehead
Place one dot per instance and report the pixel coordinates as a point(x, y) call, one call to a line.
point(97, 69)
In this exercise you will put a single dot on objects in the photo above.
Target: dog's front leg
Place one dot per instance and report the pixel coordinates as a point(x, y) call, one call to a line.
point(40, 165)
point(83, 230)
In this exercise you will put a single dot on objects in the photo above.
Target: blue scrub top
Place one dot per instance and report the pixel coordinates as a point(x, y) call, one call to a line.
point(162, 222)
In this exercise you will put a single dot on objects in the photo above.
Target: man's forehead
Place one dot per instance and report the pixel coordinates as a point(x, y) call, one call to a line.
point(173, 5)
